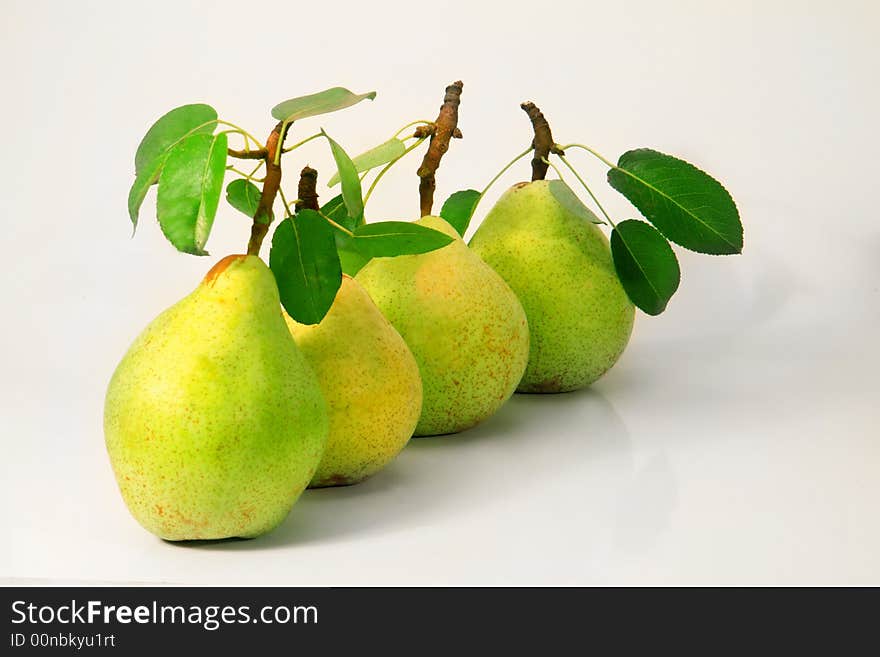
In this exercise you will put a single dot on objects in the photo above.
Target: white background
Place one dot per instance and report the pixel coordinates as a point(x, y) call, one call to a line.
point(736, 441)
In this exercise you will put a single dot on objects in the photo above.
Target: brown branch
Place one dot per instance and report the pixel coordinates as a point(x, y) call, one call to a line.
point(307, 196)
point(271, 182)
point(259, 154)
point(444, 129)
point(543, 141)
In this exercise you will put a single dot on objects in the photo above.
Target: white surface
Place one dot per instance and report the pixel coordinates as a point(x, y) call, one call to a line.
point(737, 440)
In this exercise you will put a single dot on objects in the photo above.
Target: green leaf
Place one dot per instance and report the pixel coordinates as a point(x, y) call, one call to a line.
point(646, 265)
point(352, 194)
point(394, 238)
point(459, 208)
point(138, 192)
point(375, 157)
point(566, 197)
point(244, 196)
point(170, 128)
point(352, 261)
point(306, 266)
point(687, 205)
point(349, 258)
point(335, 209)
point(189, 191)
point(154, 147)
point(330, 100)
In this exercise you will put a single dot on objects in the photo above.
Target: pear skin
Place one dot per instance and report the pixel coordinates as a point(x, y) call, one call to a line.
point(559, 265)
point(371, 383)
point(214, 421)
point(463, 324)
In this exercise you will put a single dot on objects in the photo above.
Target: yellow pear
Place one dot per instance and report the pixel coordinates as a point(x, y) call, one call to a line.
point(463, 324)
point(214, 421)
point(371, 383)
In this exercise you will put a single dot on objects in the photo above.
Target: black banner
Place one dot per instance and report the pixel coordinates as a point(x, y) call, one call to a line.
point(128, 620)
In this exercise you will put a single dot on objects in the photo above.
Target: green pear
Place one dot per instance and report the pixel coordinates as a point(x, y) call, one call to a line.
point(463, 324)
point(214, 421)
point(371, 383)
point(559, 264)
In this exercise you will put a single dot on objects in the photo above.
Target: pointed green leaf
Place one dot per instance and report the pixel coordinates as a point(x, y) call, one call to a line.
point(350, 258)
point(459, 208)
point(138, 192)
point(646, 265)
point(566, 197)
point(154, 147)
point(335, 209)
point(686, 204)
point(189, 191)
point(352, 194)
point(244, 196)
point(170, 128)
point(306, 266)
point(375, 157)
point(394, 238)
point(352, 261)
point(322, 102)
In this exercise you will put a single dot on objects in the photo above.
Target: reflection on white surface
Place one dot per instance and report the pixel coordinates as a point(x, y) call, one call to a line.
point(645, 506)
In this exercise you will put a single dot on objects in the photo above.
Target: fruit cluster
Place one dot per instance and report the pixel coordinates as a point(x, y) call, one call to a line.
point(317, 369)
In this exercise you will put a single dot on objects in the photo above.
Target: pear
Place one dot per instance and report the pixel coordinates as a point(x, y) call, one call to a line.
point(463, 324)
point(371, 383)
point(214, 421)
point(559, 264)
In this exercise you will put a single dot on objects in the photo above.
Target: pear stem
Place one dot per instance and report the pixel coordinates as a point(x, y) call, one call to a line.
point(386, 168)
point(420, 122)
point(244, 174)
point(300, 143)
point(441, 132)
point(271, 183)
point(506, 167)
point(247, 154)
point(542, 142)
point(589, 191)
point(307, 194)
